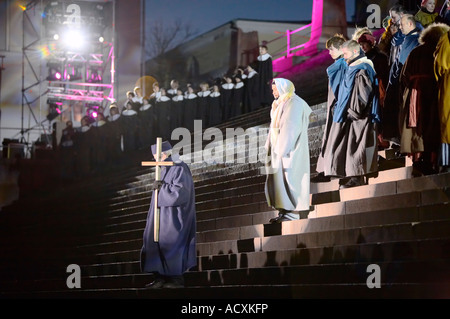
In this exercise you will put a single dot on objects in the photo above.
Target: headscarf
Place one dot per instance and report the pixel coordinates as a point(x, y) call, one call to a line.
point(366, 37)
point(286, 90)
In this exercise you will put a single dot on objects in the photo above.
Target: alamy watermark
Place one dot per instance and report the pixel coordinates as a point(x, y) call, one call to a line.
point(236, 146)
point(74, 279)
point(374, 19)
point(374, 279)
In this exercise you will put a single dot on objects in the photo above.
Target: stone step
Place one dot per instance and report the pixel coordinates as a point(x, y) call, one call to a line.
point(356, 273)
point(277, 297)
point(399, 225)
point(244, 226)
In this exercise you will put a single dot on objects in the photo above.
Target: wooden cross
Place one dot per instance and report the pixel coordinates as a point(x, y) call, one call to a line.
point(157, 165)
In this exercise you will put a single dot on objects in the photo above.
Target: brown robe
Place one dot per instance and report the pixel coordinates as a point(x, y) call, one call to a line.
point(353, 143)
point(419, 113)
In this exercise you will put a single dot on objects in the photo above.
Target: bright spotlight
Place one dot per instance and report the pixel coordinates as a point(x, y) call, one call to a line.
point(74, 39)
point(101, 39)
point(56, 37)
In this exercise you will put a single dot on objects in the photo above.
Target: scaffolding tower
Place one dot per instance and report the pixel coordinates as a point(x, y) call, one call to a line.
point(68, 64)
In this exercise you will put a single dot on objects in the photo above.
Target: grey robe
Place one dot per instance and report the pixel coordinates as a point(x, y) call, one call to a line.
point(288, 171)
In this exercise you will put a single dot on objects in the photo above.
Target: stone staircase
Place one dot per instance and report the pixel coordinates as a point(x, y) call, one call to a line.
point(397, 223)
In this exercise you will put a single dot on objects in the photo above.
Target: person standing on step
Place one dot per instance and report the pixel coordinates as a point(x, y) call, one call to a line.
point(351, 152)
point(442, 74)
point(419, 113)
point(335, 73)
point(265, 71)
point(175, 252)
point(287, 159)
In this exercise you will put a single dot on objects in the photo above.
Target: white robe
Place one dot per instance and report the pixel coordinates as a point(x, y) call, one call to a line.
point(288, 171)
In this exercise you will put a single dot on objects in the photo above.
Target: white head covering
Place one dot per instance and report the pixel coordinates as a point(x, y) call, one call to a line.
point(286, 90)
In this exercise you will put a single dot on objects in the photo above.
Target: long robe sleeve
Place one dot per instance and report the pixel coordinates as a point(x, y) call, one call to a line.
point(176, 191)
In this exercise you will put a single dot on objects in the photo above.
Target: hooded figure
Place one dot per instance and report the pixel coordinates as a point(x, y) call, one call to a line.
point(175, 252)
point(287, 164)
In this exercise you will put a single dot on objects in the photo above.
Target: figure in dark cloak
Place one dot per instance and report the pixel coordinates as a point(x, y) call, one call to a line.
point(215, 107)
point(265, 71)
point(237, 96)
point(130, 125)
point(114, 135)
point(175, 252)
point(335, 73)
point(163, 107)
point(226, 92)
point(146, 116)
point(351, 152)
point(190, 108)
point(251, 95)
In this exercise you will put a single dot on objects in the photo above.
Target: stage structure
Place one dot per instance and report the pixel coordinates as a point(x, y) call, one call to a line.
point(76, 69)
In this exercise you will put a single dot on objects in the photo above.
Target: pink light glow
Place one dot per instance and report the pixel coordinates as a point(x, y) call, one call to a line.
point(308, 48)
point(58, 76)
point(78, 97)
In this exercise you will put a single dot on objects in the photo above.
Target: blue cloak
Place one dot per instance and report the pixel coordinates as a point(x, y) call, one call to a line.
point(346, 88)
point(176, 251)
point(336, 73)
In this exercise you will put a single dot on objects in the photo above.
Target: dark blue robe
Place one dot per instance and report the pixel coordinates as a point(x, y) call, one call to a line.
point(176, 251)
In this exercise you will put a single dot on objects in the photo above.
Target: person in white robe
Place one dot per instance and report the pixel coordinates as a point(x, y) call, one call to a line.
point(287, 186)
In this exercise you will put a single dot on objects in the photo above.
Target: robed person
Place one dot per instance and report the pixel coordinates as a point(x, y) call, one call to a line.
point(175, 252)
point(251, 95)
point(177, 112)
point(287, 162)
point(226, 92)
point(100, 135)
point(265, 71)
point(237, 97)
point(352, 152)
point(190, 109)
point(393, 99)
point(203, 104)
point(84, 144)
point(130, 125)
point(335, 73)
point(163, 106)
point(419, 112)
point(442, 73)
point(147, 122)
point(215, 107)
point(114, 135)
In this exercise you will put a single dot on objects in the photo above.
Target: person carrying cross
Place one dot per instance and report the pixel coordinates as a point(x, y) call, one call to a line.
point(169, 251)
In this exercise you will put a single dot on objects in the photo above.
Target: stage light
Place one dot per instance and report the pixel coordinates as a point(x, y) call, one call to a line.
point(56, 37)
point(72, 72)
point(74, 39)
point(92, 112)
point(53, 110)
point(94, 75)
point(54, 73)
point(101, 39)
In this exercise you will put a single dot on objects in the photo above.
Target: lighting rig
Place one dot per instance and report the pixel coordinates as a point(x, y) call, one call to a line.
point(80, 61)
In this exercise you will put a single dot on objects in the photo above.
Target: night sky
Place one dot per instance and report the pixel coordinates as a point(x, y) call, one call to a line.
point(205, 15)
